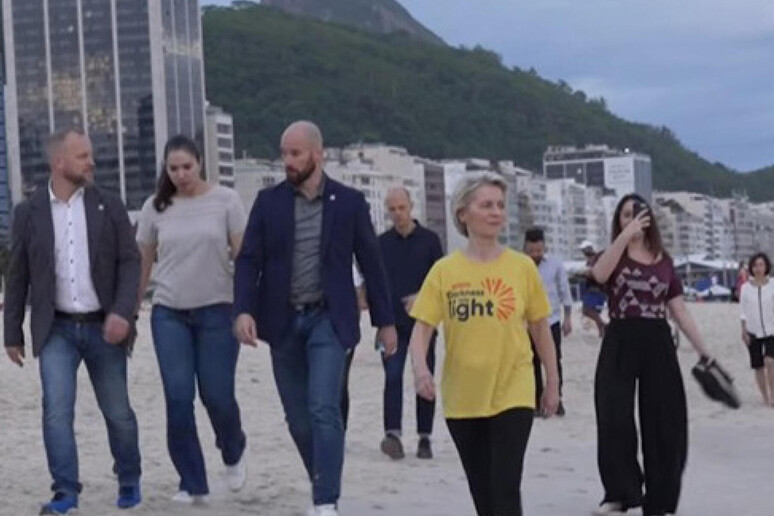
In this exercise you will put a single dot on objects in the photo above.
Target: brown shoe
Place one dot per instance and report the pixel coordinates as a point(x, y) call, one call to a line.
point(392, 447)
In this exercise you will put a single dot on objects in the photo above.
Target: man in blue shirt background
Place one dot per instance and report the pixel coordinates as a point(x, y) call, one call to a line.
point(557, 286)
point(409, 251)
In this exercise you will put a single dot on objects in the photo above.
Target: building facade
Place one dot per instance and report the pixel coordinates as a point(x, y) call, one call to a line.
point(5, 191)
point(129, 72)
point(220, 147)
point(618, 172)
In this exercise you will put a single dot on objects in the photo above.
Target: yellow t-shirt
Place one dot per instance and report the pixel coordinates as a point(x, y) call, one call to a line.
point(484, 308)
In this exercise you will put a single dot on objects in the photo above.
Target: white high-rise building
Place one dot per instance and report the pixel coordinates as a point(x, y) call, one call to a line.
point(682, 232)
point(537, 210)
point(129, 72)
point(617, 171)
point(220, 147)
point(374, 169)
point(717, 234)
point(253, 175)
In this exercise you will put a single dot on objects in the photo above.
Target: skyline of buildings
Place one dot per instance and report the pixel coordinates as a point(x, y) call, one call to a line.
point(692, 225)
point(130, 73)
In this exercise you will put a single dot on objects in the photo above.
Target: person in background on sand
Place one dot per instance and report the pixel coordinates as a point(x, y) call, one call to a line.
point(593, 294)
point(741, 278)
point(191, 230)
point(638, 354)
point(294, 290)
point(72, 249)
point(756, 304)
point(488, 297)
point(557, 287)
point(409, 251)
point(362, 305)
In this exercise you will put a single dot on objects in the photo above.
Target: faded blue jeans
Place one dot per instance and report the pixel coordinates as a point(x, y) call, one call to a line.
point(308, 365)
point(68, 344)
point(197, 346)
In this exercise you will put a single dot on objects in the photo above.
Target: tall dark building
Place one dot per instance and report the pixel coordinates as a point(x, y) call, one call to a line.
point(129, 72)
point(5, 191)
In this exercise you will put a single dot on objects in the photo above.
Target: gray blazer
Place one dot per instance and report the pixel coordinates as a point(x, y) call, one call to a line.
point(115, 263)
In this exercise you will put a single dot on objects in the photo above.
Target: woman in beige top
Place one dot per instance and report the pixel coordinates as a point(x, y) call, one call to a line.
point(192, 229)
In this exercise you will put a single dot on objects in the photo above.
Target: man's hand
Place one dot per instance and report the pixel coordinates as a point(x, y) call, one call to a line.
point(16, 354)
point(115, 329)
point(567, 327)
point(245, 330)
point(388, 335)
point(746, 338)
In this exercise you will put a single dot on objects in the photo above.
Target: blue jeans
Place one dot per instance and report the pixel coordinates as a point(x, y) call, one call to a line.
point(193, 346)
point(68, 344)
point(393, 388)
point(308, 368)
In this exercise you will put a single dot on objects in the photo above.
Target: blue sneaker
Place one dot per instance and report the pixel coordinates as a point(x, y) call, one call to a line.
point(61, 503)
point(128, 497)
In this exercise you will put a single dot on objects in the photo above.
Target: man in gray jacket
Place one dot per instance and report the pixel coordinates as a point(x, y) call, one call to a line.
point(73, 250)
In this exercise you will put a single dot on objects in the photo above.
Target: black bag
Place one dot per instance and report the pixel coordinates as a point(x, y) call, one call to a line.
point(716, 383)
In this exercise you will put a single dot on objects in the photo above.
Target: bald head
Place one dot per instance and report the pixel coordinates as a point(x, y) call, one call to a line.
point(398, 193)
point(302, 152)
point(306, 131)
point(398, 203)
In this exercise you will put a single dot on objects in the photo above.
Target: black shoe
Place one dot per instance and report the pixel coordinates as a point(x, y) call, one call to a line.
point(392, 447)
point(424, 449)
point(560, 409)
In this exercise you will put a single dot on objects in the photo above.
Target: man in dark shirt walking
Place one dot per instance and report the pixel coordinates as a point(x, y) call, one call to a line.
point(293, 288)
point(409, 251)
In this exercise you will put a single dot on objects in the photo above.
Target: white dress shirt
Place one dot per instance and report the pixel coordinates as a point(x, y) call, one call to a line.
point(75, 291)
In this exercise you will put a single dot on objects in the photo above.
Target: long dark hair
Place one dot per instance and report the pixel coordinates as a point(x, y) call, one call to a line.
point(652, 234)
point(166, 188)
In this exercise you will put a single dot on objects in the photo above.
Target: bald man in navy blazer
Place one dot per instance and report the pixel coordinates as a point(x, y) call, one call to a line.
point(294, 290)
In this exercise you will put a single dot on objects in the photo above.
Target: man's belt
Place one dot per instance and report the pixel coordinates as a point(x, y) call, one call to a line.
point(82, 317)
point(308, 307)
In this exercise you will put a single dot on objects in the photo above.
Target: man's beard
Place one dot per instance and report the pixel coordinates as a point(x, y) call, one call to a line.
point(77, 179)
point(299, 177)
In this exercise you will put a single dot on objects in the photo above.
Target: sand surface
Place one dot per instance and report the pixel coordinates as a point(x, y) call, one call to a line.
point(730, 467)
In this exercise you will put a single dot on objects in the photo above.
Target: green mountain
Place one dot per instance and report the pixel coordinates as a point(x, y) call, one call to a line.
point(269, 68)
point(379, 16)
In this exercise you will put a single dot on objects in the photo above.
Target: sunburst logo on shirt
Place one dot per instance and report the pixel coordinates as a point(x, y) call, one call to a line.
point(503, 297)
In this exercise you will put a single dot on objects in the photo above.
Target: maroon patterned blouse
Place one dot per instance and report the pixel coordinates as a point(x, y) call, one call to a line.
point(637, 290)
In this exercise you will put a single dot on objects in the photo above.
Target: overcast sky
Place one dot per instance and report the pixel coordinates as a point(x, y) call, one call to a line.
point(704, 68)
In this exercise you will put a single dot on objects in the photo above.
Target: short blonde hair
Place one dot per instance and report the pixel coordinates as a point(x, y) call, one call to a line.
point(465, 190)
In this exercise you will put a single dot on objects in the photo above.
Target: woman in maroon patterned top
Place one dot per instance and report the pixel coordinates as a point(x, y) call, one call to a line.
point(638, 352)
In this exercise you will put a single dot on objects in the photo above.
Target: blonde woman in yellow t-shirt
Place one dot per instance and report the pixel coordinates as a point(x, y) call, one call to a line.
point(488, 297)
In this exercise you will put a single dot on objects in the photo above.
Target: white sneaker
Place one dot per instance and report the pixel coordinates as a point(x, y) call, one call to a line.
point(609, 509)
point(186, 497)
point(325, 510)
point(236, 474)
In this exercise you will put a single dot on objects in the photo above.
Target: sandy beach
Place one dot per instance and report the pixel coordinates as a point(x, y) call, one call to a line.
point(730, 464)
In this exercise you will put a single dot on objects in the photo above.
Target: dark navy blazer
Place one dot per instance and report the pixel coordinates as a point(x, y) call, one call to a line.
point(264, 265)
